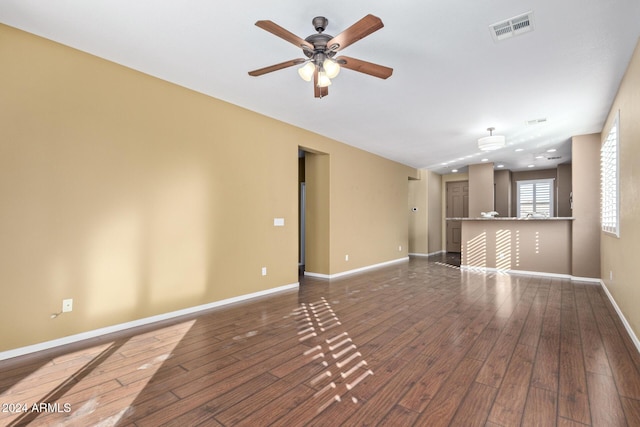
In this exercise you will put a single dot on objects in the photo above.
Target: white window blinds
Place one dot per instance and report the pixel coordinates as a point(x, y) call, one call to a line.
point(609, 180)
point(535, 197)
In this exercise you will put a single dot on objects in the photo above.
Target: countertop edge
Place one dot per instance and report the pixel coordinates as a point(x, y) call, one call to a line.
point(564, 218)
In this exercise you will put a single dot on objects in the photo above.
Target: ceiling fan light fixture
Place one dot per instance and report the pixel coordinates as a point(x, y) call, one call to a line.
point(331, 67)
point(323, 79)
point(491, 142)
point(319, 49)
point(306, 71)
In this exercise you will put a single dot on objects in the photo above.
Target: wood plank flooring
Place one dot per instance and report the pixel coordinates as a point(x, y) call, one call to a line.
point(415, 344)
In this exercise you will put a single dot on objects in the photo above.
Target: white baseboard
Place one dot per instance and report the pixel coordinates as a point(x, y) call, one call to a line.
point(357, 270)
point(425, 255)
point(135, 323)
point(623, 319)
point(586, 279)
point(517, 272)
point(595, 281)
point(318, 275)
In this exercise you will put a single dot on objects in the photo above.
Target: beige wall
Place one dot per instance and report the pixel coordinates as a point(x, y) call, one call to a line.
point(425, 234)
point(418, 208)
point(435, 212)
point(564, 189)
point(369, 220)
point(619, 256)
point(136, 197)
point(502, 179)
point(318, 213)
point(586, 205)
point(481, 189)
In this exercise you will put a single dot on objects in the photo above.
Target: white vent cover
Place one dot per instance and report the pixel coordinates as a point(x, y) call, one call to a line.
point(512, 27)
point(536, 121)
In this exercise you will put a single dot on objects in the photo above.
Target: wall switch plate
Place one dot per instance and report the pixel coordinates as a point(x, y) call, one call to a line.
point(67, 305)
point(278, 222)
point(264, 271)
point(346, 257)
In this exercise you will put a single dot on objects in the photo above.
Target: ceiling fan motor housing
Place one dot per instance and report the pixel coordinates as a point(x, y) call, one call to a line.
point(320, 23)
point(319, 42)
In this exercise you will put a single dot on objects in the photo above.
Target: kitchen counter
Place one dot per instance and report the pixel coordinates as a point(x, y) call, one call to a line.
point(517, 244)
point(513, 218)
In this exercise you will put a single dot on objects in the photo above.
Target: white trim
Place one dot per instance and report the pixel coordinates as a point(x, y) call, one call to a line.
point(357, 270)
point(532, 273)
point(623, 319)
point(318, 275)
point(591, 280)
point(517, 272)
point(426, 255)
point(139, 322)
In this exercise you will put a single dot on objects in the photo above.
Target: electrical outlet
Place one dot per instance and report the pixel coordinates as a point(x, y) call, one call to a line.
point(264, 271)
point(399, 248)
point(67, 305)
point(610, 274)
point(346, 257)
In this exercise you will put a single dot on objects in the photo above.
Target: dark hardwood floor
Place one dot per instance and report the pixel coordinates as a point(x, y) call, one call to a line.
point(415, 344)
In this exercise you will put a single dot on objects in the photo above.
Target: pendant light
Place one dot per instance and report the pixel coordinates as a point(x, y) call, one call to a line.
point(491, 142)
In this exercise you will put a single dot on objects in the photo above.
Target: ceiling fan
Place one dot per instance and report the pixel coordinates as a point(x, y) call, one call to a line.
point(320, 49)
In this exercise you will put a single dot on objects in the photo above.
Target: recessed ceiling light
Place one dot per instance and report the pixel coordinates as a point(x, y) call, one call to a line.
point(551, 150)
point(484, 160)
point(531, 166)
point(519, 149)
point(454, 170)
point(540, 157)
point(500, 166)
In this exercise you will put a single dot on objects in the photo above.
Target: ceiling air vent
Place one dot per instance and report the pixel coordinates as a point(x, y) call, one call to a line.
point(536, 121)
point(512, 27)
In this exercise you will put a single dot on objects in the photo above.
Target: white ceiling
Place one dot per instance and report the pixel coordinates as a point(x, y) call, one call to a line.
point(451, 81)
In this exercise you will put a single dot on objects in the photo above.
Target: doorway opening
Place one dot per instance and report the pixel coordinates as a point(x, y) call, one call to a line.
point(313, 210)
point(301, 211)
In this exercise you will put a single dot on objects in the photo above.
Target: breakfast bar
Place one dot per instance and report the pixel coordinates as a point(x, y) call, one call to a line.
point(540, 245)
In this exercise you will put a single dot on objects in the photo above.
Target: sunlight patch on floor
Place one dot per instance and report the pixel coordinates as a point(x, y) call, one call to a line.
point(70, 402)
point(334, 350)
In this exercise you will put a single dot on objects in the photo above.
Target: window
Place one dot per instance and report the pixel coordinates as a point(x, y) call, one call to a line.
point(609, 166)
point(535, 197)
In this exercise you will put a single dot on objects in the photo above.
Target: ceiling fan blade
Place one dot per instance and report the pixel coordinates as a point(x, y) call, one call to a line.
point(276, 67)
point(365, 67)
point(357, 31)
point(277, 30)
point(319, 92)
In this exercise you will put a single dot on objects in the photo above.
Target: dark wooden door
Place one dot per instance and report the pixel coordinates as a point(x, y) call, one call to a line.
point(457, 207)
